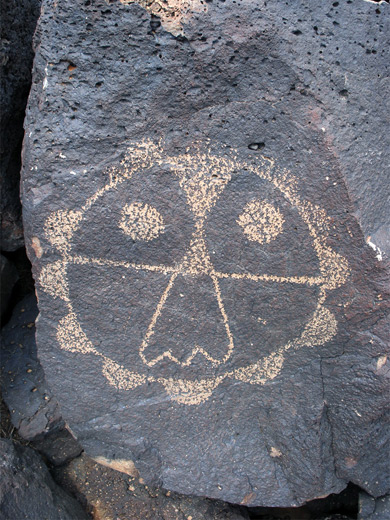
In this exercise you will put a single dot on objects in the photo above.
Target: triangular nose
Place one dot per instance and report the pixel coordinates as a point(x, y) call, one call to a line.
point(190, 321)
point(197, 259)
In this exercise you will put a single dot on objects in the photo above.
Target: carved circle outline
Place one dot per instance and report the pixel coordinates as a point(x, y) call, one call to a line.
point(320, 328)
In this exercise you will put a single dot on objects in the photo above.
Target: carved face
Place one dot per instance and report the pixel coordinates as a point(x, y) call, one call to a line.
point(196, 260)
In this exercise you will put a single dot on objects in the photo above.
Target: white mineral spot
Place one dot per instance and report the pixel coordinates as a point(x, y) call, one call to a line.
point(45, 82)
point(375, 2)
point(275, 452)
point(381, 361)
point(378, 252)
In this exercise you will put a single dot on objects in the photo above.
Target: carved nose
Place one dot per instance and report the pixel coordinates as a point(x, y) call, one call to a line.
point(197, 259)
point(190, 322)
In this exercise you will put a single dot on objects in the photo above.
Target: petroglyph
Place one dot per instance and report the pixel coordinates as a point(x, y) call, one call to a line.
point(261, 221)
point(203, 177)
point(141, 221)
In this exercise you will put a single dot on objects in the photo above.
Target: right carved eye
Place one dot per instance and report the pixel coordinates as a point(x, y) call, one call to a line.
point(261, 221)
point(141, 221)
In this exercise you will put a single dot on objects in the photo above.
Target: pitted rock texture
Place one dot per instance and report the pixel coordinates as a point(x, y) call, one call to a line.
point(211, 313)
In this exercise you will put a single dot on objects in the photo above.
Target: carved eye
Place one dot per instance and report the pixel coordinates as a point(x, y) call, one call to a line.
point(141, 221)
point(261, 221)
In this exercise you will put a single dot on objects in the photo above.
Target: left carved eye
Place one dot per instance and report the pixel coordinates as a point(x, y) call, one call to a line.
point(261, 221)
point(141, 221)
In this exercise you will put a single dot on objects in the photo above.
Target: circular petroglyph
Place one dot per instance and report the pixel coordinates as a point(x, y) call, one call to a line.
point(178, 260)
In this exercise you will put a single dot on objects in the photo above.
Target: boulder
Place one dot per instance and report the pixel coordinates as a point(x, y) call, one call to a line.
point(19, 19)
point(34, 410)
point(27, 491)
point(207, 243)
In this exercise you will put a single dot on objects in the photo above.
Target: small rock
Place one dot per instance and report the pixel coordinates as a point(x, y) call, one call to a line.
point(58, 445)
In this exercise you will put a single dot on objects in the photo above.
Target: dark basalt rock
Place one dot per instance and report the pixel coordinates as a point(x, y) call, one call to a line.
point(210, 310)
point(27, 491)
point(34, 410)
point(371, 508)
point(18, 21)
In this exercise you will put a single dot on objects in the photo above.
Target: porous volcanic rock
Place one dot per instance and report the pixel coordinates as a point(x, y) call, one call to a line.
point(27, 490)
point(198, 196)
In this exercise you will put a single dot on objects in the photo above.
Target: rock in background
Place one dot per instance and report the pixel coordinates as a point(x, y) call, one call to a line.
point(301, 85)
point(16, 56)
point(27, 491)
point(9, 277)
point(34, 410)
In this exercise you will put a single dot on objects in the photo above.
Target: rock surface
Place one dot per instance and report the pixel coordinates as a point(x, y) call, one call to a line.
point(34, 410)
point(18, 21)
point(210, 311)
point(371, 508)
point(110, 494)
point(27, 491)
